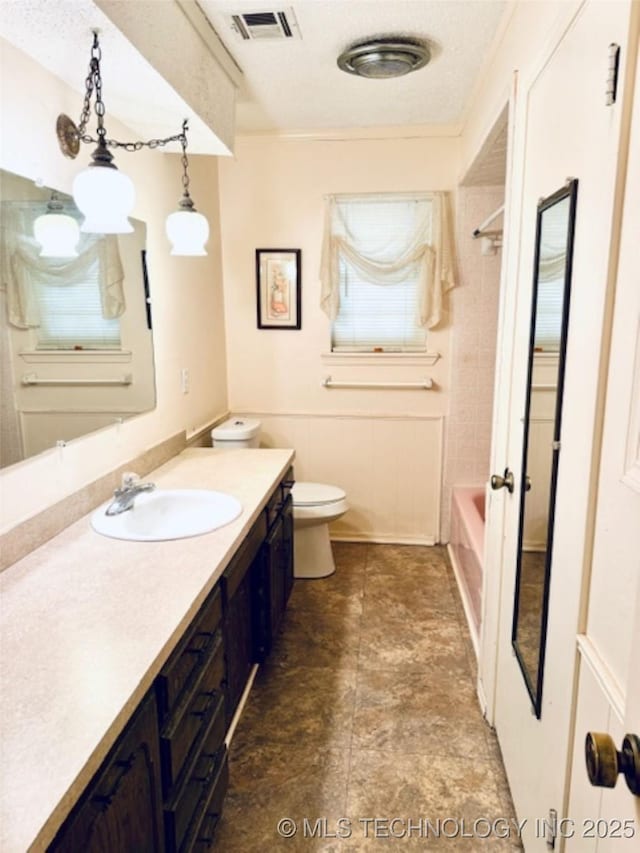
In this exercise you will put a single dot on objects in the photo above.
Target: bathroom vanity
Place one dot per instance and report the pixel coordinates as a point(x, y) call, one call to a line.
point(125, 662)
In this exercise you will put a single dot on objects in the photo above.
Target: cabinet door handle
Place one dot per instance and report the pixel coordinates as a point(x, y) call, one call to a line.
point(208, 696)
point(209, 825)
point(124, 765)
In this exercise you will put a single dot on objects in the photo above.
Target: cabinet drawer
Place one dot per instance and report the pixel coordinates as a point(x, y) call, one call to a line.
point(182, 668)
point(191, 717)
point(201, 832)
point(203, 791)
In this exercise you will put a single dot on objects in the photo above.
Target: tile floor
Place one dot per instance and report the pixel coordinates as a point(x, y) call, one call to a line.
point(367, 709)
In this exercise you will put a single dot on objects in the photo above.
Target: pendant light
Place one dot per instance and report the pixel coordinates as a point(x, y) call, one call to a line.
point(104, 194)
point(57, 232)
point(187, 229)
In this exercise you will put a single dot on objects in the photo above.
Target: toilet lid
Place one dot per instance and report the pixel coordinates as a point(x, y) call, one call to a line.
point(315, 494)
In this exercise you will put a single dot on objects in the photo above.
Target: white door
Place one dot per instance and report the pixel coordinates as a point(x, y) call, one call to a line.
point(568, 132)
point(605, 819)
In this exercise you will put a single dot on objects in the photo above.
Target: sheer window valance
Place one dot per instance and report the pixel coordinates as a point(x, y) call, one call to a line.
point(388, 256)
point(22, 266)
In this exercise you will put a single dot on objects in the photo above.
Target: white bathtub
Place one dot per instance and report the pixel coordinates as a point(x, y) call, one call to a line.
point(466, 550)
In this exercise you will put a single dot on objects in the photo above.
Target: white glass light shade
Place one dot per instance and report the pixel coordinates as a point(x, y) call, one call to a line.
point(188, 231)
point(106, 197)
point(58, 235)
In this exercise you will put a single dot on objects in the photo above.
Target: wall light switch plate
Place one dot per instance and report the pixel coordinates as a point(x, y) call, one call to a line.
point(184, 380)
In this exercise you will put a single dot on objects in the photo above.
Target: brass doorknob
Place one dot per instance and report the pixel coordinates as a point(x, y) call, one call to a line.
point(504, 482)
point(605, 762)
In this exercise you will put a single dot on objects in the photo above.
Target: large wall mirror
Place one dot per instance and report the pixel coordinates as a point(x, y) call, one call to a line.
point(542, 423)
point(75, 330)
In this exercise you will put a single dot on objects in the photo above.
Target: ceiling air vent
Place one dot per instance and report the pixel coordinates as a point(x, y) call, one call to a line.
point(252, 26)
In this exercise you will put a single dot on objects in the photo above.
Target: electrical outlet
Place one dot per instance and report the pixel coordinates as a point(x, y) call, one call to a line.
point(184, 380)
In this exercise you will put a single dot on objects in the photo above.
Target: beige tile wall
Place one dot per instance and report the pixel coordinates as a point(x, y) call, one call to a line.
point(474, 313)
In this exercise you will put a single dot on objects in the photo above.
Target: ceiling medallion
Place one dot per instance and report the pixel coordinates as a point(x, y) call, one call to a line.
point(384, 57)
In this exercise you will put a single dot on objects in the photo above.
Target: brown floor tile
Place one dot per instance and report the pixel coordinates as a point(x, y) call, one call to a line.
point(319, 639)
point(292, 705)
point(411, 597)
point(419, 712)
point(342, 592)
point(418, 787)
point(406, 560)
point(271, 783)
point(350, 555)
point(367, 708)
point(430, 645)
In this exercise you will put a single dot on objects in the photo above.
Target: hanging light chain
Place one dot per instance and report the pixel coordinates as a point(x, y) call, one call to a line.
point(90, 82)
point(185, 161)
point(134, 146)
point(93, 83)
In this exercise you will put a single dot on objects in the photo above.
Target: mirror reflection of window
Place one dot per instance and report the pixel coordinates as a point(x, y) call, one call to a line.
point(551, 265)
point(71, 315)
point(75, 324)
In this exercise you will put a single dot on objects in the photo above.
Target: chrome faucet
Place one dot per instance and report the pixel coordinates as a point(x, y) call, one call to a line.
point(124, 497)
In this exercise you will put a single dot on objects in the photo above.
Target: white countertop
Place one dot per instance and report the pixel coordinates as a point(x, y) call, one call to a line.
point(87, 622)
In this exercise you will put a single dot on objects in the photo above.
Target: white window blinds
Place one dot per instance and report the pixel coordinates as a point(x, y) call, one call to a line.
point(387, 260)
point(71, 314)
point(549, 302)
point(551, 274)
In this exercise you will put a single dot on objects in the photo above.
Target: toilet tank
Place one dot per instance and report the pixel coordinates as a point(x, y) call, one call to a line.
point(236, 432)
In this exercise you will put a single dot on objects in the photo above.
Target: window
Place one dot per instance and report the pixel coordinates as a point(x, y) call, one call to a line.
point(71, 314)
point(385, 267)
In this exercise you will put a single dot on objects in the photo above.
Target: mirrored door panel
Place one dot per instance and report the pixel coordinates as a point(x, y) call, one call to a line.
point(542, 424)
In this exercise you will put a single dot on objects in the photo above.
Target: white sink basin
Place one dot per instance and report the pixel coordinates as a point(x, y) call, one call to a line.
point(168, 514)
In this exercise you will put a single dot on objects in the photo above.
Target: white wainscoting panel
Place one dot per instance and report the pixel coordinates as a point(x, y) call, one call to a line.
point(390, 468)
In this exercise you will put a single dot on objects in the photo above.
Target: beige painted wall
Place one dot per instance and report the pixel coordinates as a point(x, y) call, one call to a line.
point(186, 292)
point(272, 197)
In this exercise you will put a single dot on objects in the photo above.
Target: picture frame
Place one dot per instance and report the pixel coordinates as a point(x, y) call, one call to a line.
point(279, 288)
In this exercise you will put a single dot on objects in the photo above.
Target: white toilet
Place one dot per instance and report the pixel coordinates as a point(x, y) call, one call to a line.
point(315, 505)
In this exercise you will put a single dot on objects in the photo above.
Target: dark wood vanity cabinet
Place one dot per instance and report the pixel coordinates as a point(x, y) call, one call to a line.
point(239, 625)
point(191, 714)
point(122, 807)
point(275, 581)
point(162, 786)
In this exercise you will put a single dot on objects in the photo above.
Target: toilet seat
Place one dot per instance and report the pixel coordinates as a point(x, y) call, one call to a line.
point(315, 494)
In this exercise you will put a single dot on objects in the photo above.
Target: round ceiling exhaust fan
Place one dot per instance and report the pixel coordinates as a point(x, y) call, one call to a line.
point(384, 57)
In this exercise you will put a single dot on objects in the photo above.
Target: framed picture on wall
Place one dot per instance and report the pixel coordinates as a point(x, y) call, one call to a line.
point(279, 284)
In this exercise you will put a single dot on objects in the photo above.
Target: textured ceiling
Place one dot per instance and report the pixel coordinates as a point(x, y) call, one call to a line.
point(295, 84)
point(286, 85)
